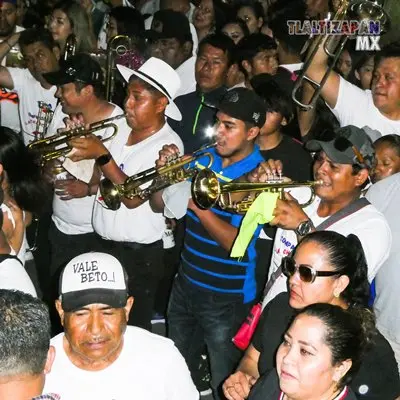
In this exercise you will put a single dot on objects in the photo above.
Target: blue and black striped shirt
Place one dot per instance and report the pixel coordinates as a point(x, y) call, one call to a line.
point(204, 262)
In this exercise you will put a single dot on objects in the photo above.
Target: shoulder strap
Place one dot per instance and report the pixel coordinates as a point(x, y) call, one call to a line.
point(343, 213)
point(7, 256)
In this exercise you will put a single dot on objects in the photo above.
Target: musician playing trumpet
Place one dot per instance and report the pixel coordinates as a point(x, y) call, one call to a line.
point(343, 161)
point(213, 292)
point(80, 92)
point(133, 232)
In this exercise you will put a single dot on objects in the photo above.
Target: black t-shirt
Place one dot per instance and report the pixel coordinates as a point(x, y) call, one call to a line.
point(377, 378)
point(297, 162)
point(267, 388)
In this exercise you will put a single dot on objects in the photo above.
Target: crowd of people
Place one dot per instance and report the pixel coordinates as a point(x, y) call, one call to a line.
point(156, 169)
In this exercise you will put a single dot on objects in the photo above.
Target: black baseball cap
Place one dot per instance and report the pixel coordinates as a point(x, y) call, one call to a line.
point(245, 105)
point(346, 145)
point(169, 24)
point(78, 68)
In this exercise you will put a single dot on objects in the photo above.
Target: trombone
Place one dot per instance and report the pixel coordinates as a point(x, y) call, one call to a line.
point(360, 10)
point(207, 191)
point(174, 171)
point(56, 146)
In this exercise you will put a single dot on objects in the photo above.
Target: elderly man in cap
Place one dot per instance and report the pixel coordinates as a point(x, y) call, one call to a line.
point(133, 232)
point(98, 356)
point(26, 356)
point(213, 292)
point(343, 162)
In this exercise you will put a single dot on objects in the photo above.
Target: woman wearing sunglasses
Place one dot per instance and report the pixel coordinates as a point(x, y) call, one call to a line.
point(320, 352)
point(326, 267)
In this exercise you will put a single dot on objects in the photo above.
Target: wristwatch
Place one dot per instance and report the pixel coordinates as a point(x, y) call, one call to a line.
point(103, 159)
point(304, 228)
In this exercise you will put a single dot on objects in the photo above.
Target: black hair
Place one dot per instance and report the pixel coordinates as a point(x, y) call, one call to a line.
point(348, 334)
point(251, 45)
point(130, 21)
point(256, 7)
point(346, 256)
point(25, 333)
point(219, 41)
point(279, 14)
point(98, 88)
point(391, 50)
point(26, 184)
point(35, 35)
point(241, 23)
point(392, 140)
point(275, 98)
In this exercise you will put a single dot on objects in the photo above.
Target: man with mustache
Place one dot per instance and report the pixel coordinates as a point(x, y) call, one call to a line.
point(98, 356)
point(343, 163)
point(378, 108)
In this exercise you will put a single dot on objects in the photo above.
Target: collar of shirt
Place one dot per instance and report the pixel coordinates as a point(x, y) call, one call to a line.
point(49, 396)
point(232, 171)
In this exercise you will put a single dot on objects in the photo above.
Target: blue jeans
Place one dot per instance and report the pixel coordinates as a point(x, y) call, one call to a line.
point(197, 316)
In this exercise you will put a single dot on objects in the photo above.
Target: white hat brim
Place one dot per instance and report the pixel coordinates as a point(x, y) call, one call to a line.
point(172, 111)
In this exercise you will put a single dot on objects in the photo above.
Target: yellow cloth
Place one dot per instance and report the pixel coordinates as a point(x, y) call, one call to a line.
point(260, 212)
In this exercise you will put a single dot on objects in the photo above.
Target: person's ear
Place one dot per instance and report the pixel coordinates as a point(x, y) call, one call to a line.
point(252, 133)
point(60, 311)
point(247, 66)
point(341, 370)
point(341, 284)
point(51, 355)
point(128, 307)
point(57, 53)
point(187, 49)
point(260, 23)
point(284, 121)
point(361, 177)
point(161, 104)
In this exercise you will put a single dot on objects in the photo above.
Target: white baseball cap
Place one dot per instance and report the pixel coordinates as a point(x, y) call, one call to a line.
point(93, 278)
point(161, 76)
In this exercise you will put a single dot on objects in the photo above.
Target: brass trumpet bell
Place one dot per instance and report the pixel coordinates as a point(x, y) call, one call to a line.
point(207, 191)
point(56, 146)
point(174, 172)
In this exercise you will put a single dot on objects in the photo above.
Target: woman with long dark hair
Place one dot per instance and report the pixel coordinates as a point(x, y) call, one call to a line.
point(325, 267)
point(25, 190)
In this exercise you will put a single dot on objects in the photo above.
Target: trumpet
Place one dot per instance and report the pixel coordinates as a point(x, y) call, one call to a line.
point(174, 171)
point(56, 146)
point(207, 191)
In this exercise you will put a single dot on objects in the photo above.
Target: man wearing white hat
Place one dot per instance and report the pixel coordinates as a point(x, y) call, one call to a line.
point(99, 357)
point(133, 232)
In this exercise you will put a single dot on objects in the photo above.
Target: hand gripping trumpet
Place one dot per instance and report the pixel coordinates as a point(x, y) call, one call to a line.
point(174, 171)
point(207, 191)
point(56, 146)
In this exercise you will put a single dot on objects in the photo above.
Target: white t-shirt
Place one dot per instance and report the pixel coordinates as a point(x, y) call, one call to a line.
point(385, 196)
point(74, 217)
point(9, 115)
point(30, 92)
point(186, 73)
point(149, 367)
point(141, 224)
point(367, 223)
point(14, 277)
point(355, 106)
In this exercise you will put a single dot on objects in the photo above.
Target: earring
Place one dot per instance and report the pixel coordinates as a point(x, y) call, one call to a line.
point(336, 294)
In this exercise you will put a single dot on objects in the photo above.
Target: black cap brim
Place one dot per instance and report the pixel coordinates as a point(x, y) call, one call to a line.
point(73, 301)
point(57, 78)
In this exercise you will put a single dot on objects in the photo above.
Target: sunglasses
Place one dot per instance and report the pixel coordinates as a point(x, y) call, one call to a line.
point(306, 272)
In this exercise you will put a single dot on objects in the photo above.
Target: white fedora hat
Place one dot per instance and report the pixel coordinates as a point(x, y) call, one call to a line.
point(160, 75)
